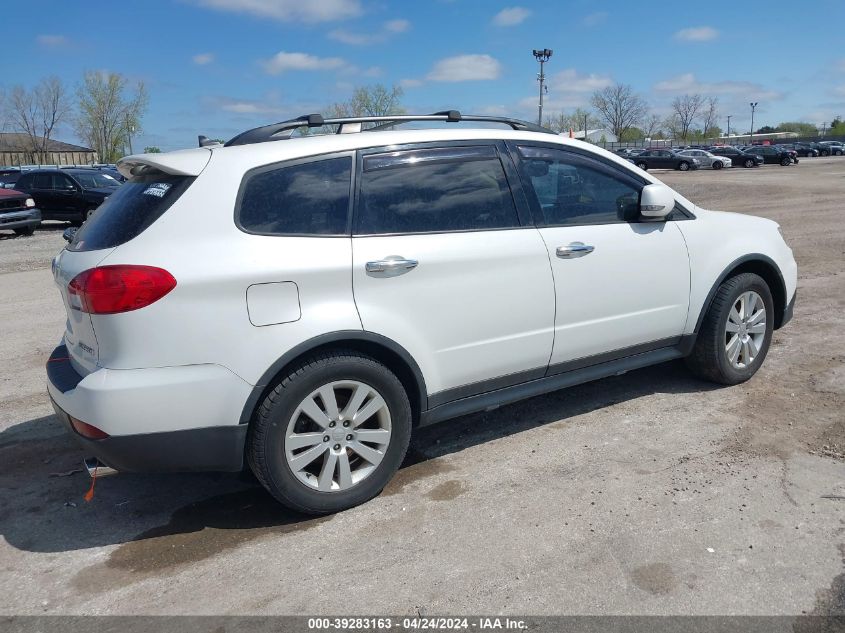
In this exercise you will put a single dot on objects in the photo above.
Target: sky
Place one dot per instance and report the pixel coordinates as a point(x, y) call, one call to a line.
point(218, 67)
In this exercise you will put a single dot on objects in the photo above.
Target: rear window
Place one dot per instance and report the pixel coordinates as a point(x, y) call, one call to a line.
point(126, 213)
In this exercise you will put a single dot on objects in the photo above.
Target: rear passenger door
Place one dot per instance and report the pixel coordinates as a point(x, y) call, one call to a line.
point(447, 263)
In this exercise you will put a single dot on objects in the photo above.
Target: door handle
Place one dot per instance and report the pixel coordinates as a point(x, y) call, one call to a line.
point(391, 266)
point(574, 249)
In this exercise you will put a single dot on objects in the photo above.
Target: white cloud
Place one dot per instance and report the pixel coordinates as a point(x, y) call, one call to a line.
point(570, 80)
point(594, 19)
point(289, 10)
point(397, 26)
point(410, 83)
point(201, 59)
point(354, 38)
point(52, 41)
point(511, 16)
point(466, 68)
point(697, 34)
point(840, 90)
point(282, 62)
point(688, 84)
point(266, 106)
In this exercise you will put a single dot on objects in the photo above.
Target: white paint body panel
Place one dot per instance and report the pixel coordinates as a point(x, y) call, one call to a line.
point(478, 305)
point(273, 303)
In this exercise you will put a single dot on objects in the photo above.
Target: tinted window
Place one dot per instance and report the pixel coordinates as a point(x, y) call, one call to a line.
point(574, 190)
point(95, 180)
point(42, 181)
point(307, 199)
point(25, 181)
point(129, 210)
point(423, 191)
point(60, 181)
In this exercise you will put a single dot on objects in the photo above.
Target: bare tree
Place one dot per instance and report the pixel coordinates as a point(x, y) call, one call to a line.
point(107, 114)
point(563, 122)
point(686, 109)
point(652, 124)
point(370, 101)
point(710, 116)
point(37, 112)
point(619, 106)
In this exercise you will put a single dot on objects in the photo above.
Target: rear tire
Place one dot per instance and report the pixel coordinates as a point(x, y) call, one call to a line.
point(26, 230)
point(731, 346)
point(337, 476)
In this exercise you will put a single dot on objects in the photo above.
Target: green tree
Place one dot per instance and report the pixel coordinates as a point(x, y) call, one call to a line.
point(799, 127)
point(766, 129)
point(632, 134)
point(108, 111)
point(152, 149)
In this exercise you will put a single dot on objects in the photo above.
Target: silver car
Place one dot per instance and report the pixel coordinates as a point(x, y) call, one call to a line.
point(706, 159)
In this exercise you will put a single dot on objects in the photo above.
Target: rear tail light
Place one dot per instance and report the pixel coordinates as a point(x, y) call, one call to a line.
point(87, 430)
point(115, 289)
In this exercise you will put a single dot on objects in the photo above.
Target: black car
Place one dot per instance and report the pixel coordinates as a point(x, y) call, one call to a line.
point(802, 149)
point(738, 156)
point(663, 159)
point(67, 194)
point(773, 155)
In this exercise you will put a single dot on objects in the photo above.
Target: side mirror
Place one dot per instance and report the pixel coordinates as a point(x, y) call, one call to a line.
point(69, 233)
point(656, 202)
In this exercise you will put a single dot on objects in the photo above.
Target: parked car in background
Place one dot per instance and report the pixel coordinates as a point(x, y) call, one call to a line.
point(831, 148)
point(8, 178)
point(67, 194)
point(805, 150)
point(18, 212)
point(628, 152)
point(773, 155)
point(706, 159)
point(665, 159)
point(738, 157)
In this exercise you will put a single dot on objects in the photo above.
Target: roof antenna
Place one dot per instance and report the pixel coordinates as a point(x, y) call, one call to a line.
point(207, 142)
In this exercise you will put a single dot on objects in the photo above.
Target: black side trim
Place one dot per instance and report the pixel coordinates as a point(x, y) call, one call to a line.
point(216, 448)
point(494, 399)
point(325, 339)
point(483, 386)
point(790, 308)
point(751, 257)
point(580, 363)
point(60, 372)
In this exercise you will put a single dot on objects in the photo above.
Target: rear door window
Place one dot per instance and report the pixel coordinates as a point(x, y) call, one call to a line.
point(435, 190)
point(131, 209)
point(42, 181)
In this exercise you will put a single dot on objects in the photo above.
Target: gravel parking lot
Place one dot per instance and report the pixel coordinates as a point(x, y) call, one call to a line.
point(647, 493)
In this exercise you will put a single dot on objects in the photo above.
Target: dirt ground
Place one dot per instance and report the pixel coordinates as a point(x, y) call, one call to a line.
point(647, 493)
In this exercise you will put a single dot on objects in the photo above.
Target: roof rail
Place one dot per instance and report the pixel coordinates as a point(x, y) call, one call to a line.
point(285, 129)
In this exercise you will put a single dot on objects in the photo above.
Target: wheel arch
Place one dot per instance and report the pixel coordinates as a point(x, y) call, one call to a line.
point(758, 264)
point(388, 352)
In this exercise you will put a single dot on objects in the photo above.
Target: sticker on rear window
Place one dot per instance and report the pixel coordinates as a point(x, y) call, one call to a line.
point(157, 189)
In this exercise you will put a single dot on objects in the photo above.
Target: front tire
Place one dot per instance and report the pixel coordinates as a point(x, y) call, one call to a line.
point(785, 162)
point(736, 332)
point(355, 402)
point(642, 166)
point(684, 166)
point(717, 164)
point(749, 162)
point(25, 230)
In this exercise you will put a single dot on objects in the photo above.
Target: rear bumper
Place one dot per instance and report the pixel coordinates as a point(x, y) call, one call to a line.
point(19, 219)
point(167, 419)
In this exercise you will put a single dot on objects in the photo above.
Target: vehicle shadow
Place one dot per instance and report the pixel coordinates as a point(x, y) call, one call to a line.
point(41, 497)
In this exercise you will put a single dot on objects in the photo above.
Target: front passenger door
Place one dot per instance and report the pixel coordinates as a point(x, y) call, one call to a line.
point(621, 285)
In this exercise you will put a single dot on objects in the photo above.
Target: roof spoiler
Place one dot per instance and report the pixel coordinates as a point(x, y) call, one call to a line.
point(187, 162)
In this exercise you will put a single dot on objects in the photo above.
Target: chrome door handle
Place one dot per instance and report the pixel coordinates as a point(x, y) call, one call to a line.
point(574, 249)
point(391, 266)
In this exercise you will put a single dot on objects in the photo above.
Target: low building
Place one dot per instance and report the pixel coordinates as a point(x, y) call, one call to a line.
point(597, 136)
point(16, 149)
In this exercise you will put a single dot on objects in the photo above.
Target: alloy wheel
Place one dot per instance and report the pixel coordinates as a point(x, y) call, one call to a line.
point(745, 329)
point(338, 435)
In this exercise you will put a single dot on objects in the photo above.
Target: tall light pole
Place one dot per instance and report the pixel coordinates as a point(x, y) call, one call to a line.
point(542, 56)
point(753, 105)
point(729, 125)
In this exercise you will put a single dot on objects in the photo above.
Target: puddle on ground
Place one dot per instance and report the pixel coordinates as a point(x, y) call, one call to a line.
point(656, 578)
point(416, 467)
point(447, 491)
point(195, 532)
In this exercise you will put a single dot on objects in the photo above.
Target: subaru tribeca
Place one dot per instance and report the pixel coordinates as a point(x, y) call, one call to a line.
point(301, 303)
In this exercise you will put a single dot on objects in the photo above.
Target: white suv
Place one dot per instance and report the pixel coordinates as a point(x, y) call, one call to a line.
point(301, 304)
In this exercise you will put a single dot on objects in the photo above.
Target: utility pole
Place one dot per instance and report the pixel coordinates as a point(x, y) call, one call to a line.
point(753, 105)
point(129, 130)
point(542, 56)
point(729, 125)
